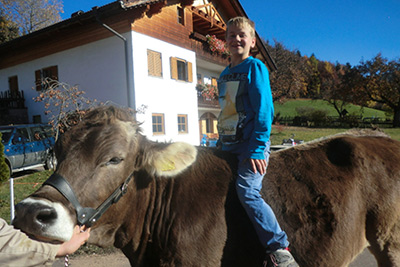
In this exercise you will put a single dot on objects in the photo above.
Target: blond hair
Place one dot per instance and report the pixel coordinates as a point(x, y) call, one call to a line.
point(242, 22)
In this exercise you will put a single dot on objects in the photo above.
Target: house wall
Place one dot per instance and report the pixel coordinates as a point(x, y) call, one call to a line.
point(97, 68)
point(163, 94)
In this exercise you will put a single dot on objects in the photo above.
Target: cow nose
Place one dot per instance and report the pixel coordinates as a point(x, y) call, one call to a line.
point(34, 216)
point(45, 216)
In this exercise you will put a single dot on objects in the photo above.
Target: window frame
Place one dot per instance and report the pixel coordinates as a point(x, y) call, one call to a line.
point(156, 124)
point(42, 74)
point(181, 15)
point(188, 69)
point(184, 124)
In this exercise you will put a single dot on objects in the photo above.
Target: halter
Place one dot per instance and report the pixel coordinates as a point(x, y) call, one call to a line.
point(85, 215)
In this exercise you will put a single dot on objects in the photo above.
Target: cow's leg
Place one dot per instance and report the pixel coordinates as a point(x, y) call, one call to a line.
point(384, 238)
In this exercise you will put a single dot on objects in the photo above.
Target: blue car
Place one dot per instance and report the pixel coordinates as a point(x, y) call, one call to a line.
point(28, 146)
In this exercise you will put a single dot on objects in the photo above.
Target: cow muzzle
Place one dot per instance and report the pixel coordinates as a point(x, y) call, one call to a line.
point(43, 219)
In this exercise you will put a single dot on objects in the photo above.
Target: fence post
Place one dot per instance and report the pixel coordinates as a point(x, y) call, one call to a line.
point(12, 198)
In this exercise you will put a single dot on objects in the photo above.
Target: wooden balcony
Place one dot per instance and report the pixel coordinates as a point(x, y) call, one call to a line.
point(10, 99)
point(200, 46)
point(205, 102)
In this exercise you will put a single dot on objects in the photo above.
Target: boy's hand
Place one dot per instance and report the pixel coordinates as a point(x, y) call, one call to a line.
point(259, 165)
point(79, 237)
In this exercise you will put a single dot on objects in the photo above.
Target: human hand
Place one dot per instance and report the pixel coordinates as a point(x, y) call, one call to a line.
point(79, 237)
point(259, 165)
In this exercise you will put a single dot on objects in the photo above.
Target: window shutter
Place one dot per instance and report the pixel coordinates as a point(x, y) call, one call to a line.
point(150, 62)
point(13, 84)
point(174, 68)
point(38, 80)
point(214, 81)
point(54, 72)
point(158, 64)
point(190, 72)
point(154, 63)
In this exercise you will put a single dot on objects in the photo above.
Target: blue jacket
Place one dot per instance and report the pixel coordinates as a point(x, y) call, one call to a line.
point(247, 109)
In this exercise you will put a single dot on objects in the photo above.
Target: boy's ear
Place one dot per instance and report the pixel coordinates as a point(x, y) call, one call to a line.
point(253, 42)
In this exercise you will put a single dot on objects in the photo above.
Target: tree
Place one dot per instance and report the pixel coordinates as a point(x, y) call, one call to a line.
point(288, 81)
point(314, 81)
point(4, 170)
point(32, 15)
point(8, 30)
point(381, 83)
point(65, 104)
point(330, 80)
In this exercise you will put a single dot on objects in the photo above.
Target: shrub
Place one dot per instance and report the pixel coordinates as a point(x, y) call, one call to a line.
point(4, 171)
point(314, 117)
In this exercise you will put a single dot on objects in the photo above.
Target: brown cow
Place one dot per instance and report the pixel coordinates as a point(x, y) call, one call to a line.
point(333, 197)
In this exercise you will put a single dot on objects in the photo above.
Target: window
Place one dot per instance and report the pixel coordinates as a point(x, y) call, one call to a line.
point(23, 133)
point(42, 75)
point(37, 119)
point(181, 70)
point(181, 15)
point(208, 123)
point(182, 124)
point(13, 85)
point(154, 64)
point(158, 123)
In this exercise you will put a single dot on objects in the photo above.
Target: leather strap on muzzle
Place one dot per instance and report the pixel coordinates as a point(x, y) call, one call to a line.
point(85, 215)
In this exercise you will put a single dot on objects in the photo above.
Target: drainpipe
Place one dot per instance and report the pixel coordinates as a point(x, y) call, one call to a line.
point(129, 84)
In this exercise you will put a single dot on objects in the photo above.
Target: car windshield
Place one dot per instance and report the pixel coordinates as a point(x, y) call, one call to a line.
point(6, 135)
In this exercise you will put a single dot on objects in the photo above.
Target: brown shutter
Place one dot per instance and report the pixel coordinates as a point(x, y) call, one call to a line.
point(150, 63)
point(174, 68)
point(54, 72)
point(190, 71)
point(13, 84)
point(158, 64)
point(38, 80)
point(154, 63)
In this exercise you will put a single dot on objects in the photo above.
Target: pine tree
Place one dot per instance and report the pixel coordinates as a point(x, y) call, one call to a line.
point(4, 170)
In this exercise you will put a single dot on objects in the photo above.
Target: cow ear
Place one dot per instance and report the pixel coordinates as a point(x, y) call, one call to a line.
point(172, 160)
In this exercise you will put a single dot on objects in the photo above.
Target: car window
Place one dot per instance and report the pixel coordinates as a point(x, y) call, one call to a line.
point(6, 135)
point(41, 132)
point(23, 133)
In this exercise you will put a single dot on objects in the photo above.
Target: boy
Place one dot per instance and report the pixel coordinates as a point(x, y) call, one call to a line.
point(244, 127)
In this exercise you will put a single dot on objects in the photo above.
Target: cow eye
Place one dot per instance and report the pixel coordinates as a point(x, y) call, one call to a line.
point(114, 161)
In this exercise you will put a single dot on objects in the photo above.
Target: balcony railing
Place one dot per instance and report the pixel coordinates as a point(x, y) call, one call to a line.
point(11, 100)
point(206, 102)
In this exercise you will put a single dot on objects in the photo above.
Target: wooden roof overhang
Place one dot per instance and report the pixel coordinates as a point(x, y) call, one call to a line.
point(206, 20)
point(12, 52)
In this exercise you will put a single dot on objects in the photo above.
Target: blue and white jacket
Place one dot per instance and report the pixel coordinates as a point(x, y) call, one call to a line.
point(247, 109)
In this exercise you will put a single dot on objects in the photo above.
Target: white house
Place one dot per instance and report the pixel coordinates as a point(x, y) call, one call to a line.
point(147, 55)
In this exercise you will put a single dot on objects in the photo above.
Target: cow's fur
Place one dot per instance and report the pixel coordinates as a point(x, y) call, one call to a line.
point(333, 197)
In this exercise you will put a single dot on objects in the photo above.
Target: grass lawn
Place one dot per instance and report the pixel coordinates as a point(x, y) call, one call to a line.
point(288, 109)
point(307, 134)
point(22, 188)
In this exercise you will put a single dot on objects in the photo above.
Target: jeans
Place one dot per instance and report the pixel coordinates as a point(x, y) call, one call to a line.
point(248, 186)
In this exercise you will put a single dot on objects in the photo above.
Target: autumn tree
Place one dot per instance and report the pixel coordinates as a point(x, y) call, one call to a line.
point(333, 89)
point(32, 15)
point(65, 104)
point(8, 30)
point(288, 81)
point(314, 78)
point(381, 83)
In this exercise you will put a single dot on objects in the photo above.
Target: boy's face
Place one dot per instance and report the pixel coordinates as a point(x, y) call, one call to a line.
point(240, 41)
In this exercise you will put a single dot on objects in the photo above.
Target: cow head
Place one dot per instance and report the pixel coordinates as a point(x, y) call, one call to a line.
point(95, 158)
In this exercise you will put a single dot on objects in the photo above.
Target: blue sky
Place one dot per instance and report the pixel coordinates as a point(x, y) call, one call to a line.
point(334, 30)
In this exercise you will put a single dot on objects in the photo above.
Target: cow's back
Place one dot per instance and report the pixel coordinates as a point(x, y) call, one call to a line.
point(326, 196)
